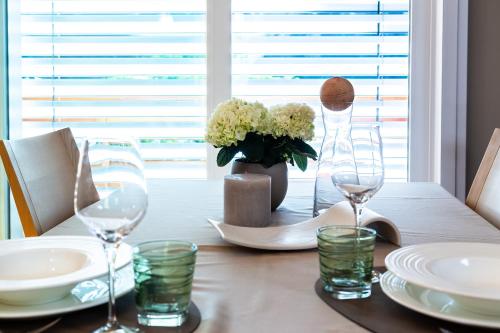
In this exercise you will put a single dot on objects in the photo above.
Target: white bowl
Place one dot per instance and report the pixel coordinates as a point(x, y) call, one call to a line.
point(467, 272)
point(45, 269)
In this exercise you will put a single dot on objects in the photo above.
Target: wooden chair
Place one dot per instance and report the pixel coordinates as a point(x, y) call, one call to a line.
point(484, 194)
point(42, 172)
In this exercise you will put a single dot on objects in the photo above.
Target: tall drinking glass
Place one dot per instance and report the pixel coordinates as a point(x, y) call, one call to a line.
point(358, 167)
point(111, 199)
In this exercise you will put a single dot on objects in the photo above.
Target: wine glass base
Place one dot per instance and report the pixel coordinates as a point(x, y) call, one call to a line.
point(117, 329)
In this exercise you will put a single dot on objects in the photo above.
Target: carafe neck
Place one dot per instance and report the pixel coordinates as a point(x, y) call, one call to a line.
point(336, 120)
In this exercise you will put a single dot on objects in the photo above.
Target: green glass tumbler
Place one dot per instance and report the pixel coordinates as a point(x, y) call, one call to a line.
point(163, 272)
point(346, 260)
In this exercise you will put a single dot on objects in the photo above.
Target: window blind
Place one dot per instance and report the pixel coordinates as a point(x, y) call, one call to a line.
point(283, 50)
point(138, 68)
point(119, 68)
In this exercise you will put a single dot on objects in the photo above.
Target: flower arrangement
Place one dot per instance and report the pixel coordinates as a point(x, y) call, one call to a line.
point(261, 135)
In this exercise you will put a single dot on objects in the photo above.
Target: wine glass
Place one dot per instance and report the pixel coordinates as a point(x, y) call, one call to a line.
point(358, 167)
point(111, 199)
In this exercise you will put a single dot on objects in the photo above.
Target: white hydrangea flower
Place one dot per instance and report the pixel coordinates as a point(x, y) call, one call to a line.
point(292, 119)
point(233, 119)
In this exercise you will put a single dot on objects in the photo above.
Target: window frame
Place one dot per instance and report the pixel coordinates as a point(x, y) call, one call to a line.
point(218, 70)
point(4, 112)
point(438, 93)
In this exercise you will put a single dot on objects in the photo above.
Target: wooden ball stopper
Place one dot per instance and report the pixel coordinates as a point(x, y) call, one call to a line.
point(337, 94)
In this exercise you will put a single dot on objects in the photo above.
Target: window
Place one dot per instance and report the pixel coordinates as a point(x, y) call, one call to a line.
point(119, 67)
point(283, 51)
point(138, 67)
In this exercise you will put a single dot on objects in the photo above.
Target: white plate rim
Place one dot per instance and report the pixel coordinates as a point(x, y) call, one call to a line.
point(70, 242)
point(24, 311)
point(411, 303)
point(391, 264)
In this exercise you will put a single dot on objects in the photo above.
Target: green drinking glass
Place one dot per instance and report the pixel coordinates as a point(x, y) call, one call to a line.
point(163, 273)
point(346, 260)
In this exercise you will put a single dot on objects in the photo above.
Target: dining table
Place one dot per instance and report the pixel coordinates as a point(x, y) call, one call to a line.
point(241, 289)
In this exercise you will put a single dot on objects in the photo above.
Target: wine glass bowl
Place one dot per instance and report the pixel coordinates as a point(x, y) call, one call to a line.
point(111, 199)
point(358, 167)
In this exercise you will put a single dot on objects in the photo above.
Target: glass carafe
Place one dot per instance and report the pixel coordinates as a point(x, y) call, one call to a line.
point(335, 124)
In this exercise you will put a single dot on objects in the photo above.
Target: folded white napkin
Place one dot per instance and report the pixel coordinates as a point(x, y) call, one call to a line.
point(342, 214)
point(303, 235)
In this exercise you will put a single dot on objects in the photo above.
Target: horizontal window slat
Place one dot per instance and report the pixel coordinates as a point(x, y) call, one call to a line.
point(307, 5)
point(110, 6)
point(155, 70)
point(34, 111)
point(136, 130)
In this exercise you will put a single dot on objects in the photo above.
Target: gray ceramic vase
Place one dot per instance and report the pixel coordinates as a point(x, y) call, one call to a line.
point(278, 174)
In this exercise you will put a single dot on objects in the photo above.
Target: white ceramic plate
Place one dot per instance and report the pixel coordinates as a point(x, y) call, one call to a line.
point(468, 272)
point(85, 295)
point(44, 269)
point(302, 235)
point(433, 303)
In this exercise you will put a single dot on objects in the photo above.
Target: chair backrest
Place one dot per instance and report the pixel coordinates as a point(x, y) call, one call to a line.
point(484, 194)
point(42, 172)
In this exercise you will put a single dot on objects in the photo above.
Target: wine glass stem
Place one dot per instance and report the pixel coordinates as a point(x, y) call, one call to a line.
point(110, 249)
point(357, 213)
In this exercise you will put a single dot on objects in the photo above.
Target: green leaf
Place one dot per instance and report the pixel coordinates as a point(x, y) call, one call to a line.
point(304, 148)
point(225, 155)
point(301, 161)
point(253, 147)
